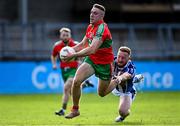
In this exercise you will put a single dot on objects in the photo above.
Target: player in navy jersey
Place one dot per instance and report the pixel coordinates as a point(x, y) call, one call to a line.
point(124, 74)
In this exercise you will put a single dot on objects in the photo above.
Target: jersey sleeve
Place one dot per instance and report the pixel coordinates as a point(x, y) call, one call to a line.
point(54, 51)
point(131, 69)
point(100, 32)
point(72, 43)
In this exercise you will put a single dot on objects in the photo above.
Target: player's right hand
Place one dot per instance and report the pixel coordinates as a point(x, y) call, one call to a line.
point(119, 79)
point(54, 67)
point(69, 57)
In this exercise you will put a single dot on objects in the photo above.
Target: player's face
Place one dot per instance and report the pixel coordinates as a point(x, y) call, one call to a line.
point(122, 58)
point(65, 36)
point(95, 15)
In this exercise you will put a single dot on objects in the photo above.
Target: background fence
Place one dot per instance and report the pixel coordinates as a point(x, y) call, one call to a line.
point(35, 40)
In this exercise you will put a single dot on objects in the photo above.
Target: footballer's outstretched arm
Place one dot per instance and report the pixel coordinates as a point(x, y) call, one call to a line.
point(123, 77)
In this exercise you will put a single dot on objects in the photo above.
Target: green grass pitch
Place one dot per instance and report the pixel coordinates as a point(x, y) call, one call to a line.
point(149, 108)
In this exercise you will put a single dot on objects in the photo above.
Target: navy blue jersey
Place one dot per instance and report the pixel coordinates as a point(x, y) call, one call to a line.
point(131, 69)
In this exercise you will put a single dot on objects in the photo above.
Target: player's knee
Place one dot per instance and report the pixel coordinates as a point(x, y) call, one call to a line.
point(77, 83)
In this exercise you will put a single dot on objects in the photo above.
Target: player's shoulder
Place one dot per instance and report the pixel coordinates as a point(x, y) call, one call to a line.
point(103, 24)
point(115, 59)
point(130, 64)
point(89, 27)
point(105, 30)
point(130, 67)
point(101, 27)
point(72, 42)
point(58, 43)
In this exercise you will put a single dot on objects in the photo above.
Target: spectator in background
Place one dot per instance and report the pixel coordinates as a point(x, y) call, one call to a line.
point(68, 68)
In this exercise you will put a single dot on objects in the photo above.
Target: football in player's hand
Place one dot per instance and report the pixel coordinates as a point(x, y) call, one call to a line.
point(65, 51)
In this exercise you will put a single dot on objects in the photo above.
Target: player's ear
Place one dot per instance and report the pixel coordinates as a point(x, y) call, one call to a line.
point(103, 14)
point(69, 35)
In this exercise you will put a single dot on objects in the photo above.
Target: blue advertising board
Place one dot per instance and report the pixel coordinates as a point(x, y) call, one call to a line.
point(159, 76)
point(39, 77)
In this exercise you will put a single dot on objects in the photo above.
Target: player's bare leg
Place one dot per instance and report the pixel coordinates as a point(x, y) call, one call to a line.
point(67, 92)
point(102, 87)
point(124, 107)
point(106, 87)
point(84, 71)
point(66, 95)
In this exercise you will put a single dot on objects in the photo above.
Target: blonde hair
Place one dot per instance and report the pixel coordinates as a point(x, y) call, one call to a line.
point(125, 49)
point(101, 7)
point(65, 29)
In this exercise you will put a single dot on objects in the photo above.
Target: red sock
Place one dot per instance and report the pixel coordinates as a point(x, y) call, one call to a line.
point(75, 107)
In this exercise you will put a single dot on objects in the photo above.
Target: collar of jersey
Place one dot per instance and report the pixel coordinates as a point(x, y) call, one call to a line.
point(66, 42)
point(98, 23)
